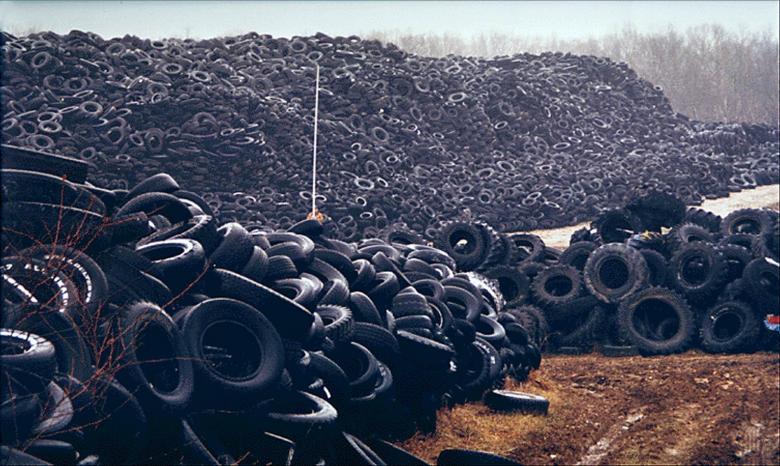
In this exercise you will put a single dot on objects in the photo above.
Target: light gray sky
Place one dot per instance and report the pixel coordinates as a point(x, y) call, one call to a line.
point(563, 19)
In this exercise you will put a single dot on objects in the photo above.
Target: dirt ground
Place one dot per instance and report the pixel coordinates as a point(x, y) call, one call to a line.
point(763, 196)
point(692, 408)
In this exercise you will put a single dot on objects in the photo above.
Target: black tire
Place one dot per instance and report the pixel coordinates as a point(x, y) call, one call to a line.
point(703, 218)
point(614, 271)
point(235, 248)
point(588, 331)
point(363, 309)
point(352, 450)
point(360, 366)
point(506, 400)
point(160, 182)
point(465, 243)
point(57, 414)
point(761, 280)
point(657, 267)
point(30, 186)
point(23, 158)
point(167, 205)
point(201, 228)
point(292, 250)
point(410, 322)
point(490, 330)
point(119, 431)
point(20, 412)
point(385, 288)
point(34, 283)
point(339, 261)
point(301, 290)
point(128, 229)
point(155, 363)
point(556, 285)
point(311, 228)
point(333, 376)
point(768, 244)
point(698, 271)
point(431, 256)
point(257, 266)
point(750, 221)
point(730, 327)
point(298, 414)
point(476, 361)
point(514, 285)
point(651, 305)
point(12, 456)
point(290, 319)
point(28, 223)
point(129, 283)
point(195, 199)
point(335, 292)
point(657, 209)
point(429, 287)
point(737, 258)
point(87, 276)
point(73, 355)
point(615, 226)
point(179, 263)
point(378, 340)
point(530, 248)
point(687, 233)
point(53, 451)
point(338, 322)
point(583, 234)
point(27, 358)
point(533, 320)
point(244, 333)
point(382, 263)
point(577, 254)
point(462, 303)
point(739, 239)
point(410, 303)
point(459, 457)
point(280, 267)
point(426, 351)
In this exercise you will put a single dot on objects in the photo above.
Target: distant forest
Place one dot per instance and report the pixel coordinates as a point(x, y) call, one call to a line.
point(707, 72)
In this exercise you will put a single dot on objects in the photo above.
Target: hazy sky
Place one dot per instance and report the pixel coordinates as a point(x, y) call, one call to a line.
point(564, 19)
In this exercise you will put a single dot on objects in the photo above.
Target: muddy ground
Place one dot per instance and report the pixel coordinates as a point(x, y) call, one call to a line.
point(690, 408)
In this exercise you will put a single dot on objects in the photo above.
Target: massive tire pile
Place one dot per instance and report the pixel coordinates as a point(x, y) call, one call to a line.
point(548, 139)
point(135, 329)
point(651, 277)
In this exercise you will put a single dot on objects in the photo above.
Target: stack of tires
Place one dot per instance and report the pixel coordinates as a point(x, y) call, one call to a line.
point(548, 139)
point(651, 277)
point(136, 329)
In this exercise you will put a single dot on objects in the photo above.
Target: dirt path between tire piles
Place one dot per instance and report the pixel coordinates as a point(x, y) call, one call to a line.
point(691, 408)
point(763, 196)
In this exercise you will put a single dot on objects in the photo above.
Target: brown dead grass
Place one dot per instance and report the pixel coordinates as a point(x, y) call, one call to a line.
point(696, 409)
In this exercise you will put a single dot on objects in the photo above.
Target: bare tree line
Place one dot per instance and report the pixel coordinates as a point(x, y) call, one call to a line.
point(707, 72)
